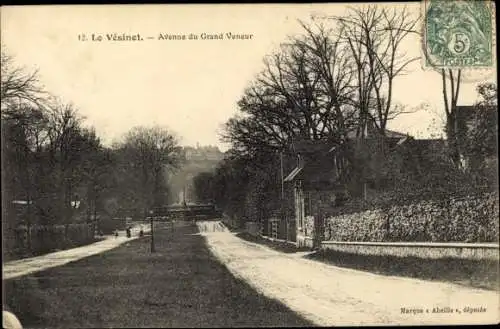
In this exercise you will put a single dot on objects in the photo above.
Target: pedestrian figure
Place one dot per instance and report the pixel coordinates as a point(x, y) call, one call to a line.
point(128, 232)
point(116, 234)
point(141, 233)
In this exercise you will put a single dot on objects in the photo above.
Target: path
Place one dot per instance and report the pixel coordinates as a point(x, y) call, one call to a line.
point(331, 296)
point(26, 266)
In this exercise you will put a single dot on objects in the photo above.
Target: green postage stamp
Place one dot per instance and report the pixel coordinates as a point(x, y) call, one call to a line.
point(458, 33)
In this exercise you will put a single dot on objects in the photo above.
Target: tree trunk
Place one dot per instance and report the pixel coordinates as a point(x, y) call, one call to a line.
point(452, 137)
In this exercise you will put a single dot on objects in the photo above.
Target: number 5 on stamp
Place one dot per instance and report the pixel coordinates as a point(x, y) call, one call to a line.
point(458, 33)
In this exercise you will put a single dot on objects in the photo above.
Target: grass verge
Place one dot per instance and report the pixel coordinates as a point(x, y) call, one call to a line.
point(181, 285)
point(481, 274)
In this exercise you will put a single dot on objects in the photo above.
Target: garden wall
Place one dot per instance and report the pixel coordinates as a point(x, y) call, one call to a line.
point(425, 250)
point(469, 219)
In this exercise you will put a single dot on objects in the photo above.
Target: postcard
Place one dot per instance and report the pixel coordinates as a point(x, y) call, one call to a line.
point(256, 165)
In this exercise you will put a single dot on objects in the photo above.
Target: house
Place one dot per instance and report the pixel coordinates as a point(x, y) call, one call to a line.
point(319, 181)
point(314, 176)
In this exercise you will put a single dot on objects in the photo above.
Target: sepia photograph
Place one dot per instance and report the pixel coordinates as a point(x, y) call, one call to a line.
point(249, 165)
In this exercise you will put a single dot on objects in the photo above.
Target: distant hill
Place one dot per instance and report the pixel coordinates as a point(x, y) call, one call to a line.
point(198, 159)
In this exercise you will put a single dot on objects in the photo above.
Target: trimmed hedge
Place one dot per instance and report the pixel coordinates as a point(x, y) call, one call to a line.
point(468, 219)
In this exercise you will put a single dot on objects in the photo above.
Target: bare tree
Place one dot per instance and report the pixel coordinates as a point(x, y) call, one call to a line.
point(330, 58)
point(450, 108)
point(374, 36)
point(17, 86)
point(303, 92)
point(64, 130)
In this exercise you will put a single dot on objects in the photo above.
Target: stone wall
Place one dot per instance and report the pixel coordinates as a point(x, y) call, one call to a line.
point(471, 251)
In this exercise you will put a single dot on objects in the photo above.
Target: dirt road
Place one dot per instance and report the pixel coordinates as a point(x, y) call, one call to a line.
point(329, 295)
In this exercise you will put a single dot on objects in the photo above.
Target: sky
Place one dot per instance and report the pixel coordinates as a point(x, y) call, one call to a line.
point(189, 86)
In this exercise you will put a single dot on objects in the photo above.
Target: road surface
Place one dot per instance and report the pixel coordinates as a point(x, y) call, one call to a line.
point(332, 296)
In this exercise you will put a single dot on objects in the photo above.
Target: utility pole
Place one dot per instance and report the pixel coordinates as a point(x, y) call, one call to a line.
point(152, 233)
point(282, 182)
point(283, 196)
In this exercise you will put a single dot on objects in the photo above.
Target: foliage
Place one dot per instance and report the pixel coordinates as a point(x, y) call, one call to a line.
point(203, 187)
point(247, 187)
point(482, 139)
point(468, 219)
point(146, 156)
point(55, 169)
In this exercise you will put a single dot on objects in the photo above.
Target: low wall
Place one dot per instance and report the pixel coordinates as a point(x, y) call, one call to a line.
point(469, 251)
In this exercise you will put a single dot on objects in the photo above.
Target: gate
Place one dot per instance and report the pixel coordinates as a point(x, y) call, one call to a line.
point(318, 232)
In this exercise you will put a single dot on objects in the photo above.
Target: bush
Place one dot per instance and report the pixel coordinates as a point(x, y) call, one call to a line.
point(469, 219)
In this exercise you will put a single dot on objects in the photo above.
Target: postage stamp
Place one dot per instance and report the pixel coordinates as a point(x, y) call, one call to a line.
point(458, 34)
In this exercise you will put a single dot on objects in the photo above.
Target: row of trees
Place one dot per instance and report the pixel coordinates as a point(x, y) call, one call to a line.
point(333, 82)
point(335, 79)
point(57, 170)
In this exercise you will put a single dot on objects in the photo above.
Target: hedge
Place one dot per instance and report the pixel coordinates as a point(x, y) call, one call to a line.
point(468, 219)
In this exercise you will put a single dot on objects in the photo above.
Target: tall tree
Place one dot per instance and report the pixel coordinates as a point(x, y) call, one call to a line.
point(451, 93)
point(374, 35)
point(482, 137)
point(18, 86)
point(64, 132)
point(148, 153)
point(302, 93)
point(203, 187)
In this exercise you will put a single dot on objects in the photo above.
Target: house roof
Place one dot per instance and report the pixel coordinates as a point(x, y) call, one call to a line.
point(325, 146)
point(311, 146)
point(317, 170)
point(431, 145)
point(394, 134)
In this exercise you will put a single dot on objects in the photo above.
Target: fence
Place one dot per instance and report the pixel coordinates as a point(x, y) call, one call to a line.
point(277, 229)
point(39, 239)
